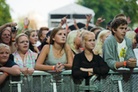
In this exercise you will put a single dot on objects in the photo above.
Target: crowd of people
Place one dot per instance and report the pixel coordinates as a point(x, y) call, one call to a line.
point(85, 52)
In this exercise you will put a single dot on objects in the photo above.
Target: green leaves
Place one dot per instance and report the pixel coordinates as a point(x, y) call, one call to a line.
point(4, 12)
point(109, 8)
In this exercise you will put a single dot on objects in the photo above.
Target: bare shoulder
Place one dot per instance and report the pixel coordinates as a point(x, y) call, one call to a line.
point(67, 46)
point(46, 47)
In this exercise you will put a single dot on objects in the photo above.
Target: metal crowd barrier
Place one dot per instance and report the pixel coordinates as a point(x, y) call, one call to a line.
point(39, 81)
point(122, 80)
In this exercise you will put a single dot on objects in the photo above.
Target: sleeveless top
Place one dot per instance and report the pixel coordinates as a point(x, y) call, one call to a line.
point(52, 60)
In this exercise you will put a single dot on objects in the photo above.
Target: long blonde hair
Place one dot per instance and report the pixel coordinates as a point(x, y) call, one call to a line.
point(130, 35)
point(71, 38)
point(99, 43)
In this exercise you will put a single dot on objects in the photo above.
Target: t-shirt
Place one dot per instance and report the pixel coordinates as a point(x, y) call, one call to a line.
point(10, 61)
point(122, 48)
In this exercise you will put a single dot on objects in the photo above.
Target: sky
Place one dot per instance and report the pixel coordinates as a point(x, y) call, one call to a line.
point(38, 8)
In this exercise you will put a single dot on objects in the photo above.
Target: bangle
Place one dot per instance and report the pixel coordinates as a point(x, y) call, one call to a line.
point(53, 68)
point(125, 63)
point(6, 73)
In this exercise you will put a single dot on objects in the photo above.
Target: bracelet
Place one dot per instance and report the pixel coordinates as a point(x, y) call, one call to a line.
point(6, 73)
point(53, 68)
point(125, 63)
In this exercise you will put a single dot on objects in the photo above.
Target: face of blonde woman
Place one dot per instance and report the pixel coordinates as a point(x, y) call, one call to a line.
point(23, 44)
point(105, 36)
point(90, 41)
point(4, 55)
point(77, 40)
point(60, 37)
point(33, 37)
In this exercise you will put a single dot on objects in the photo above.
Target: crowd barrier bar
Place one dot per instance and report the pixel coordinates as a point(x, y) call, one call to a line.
point(80, 88)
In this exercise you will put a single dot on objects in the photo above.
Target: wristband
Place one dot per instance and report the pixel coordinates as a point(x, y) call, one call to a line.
point(125, 63)
point(53, 68)
point(25, 26)
point(13, 40)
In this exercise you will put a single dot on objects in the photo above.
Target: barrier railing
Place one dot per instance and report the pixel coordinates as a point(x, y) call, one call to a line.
point(122, 80)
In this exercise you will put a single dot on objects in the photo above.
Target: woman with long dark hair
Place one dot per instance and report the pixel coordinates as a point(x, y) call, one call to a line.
point(57, 55)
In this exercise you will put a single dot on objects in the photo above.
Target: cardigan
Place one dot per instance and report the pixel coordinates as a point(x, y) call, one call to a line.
point(110, 53)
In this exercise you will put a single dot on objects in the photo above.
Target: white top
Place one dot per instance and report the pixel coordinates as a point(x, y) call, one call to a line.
point(121, 48)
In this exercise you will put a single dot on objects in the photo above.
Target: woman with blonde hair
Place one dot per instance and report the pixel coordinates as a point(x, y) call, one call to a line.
point(86, 63)
point(74, 41)
point(131, 35)
point(100, 40)
point(33, 38)
point(24, 57)
point(7, 64)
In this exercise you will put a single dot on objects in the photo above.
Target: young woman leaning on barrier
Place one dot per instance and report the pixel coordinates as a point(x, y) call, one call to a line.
point(86, 64)
point(57, 55)
point(7, 65)
point(23, 56)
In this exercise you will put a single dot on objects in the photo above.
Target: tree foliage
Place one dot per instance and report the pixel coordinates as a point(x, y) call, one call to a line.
point(4, 12)
point(109, 8)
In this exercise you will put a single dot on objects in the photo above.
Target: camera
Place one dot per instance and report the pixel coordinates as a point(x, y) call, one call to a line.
point(13, 29)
